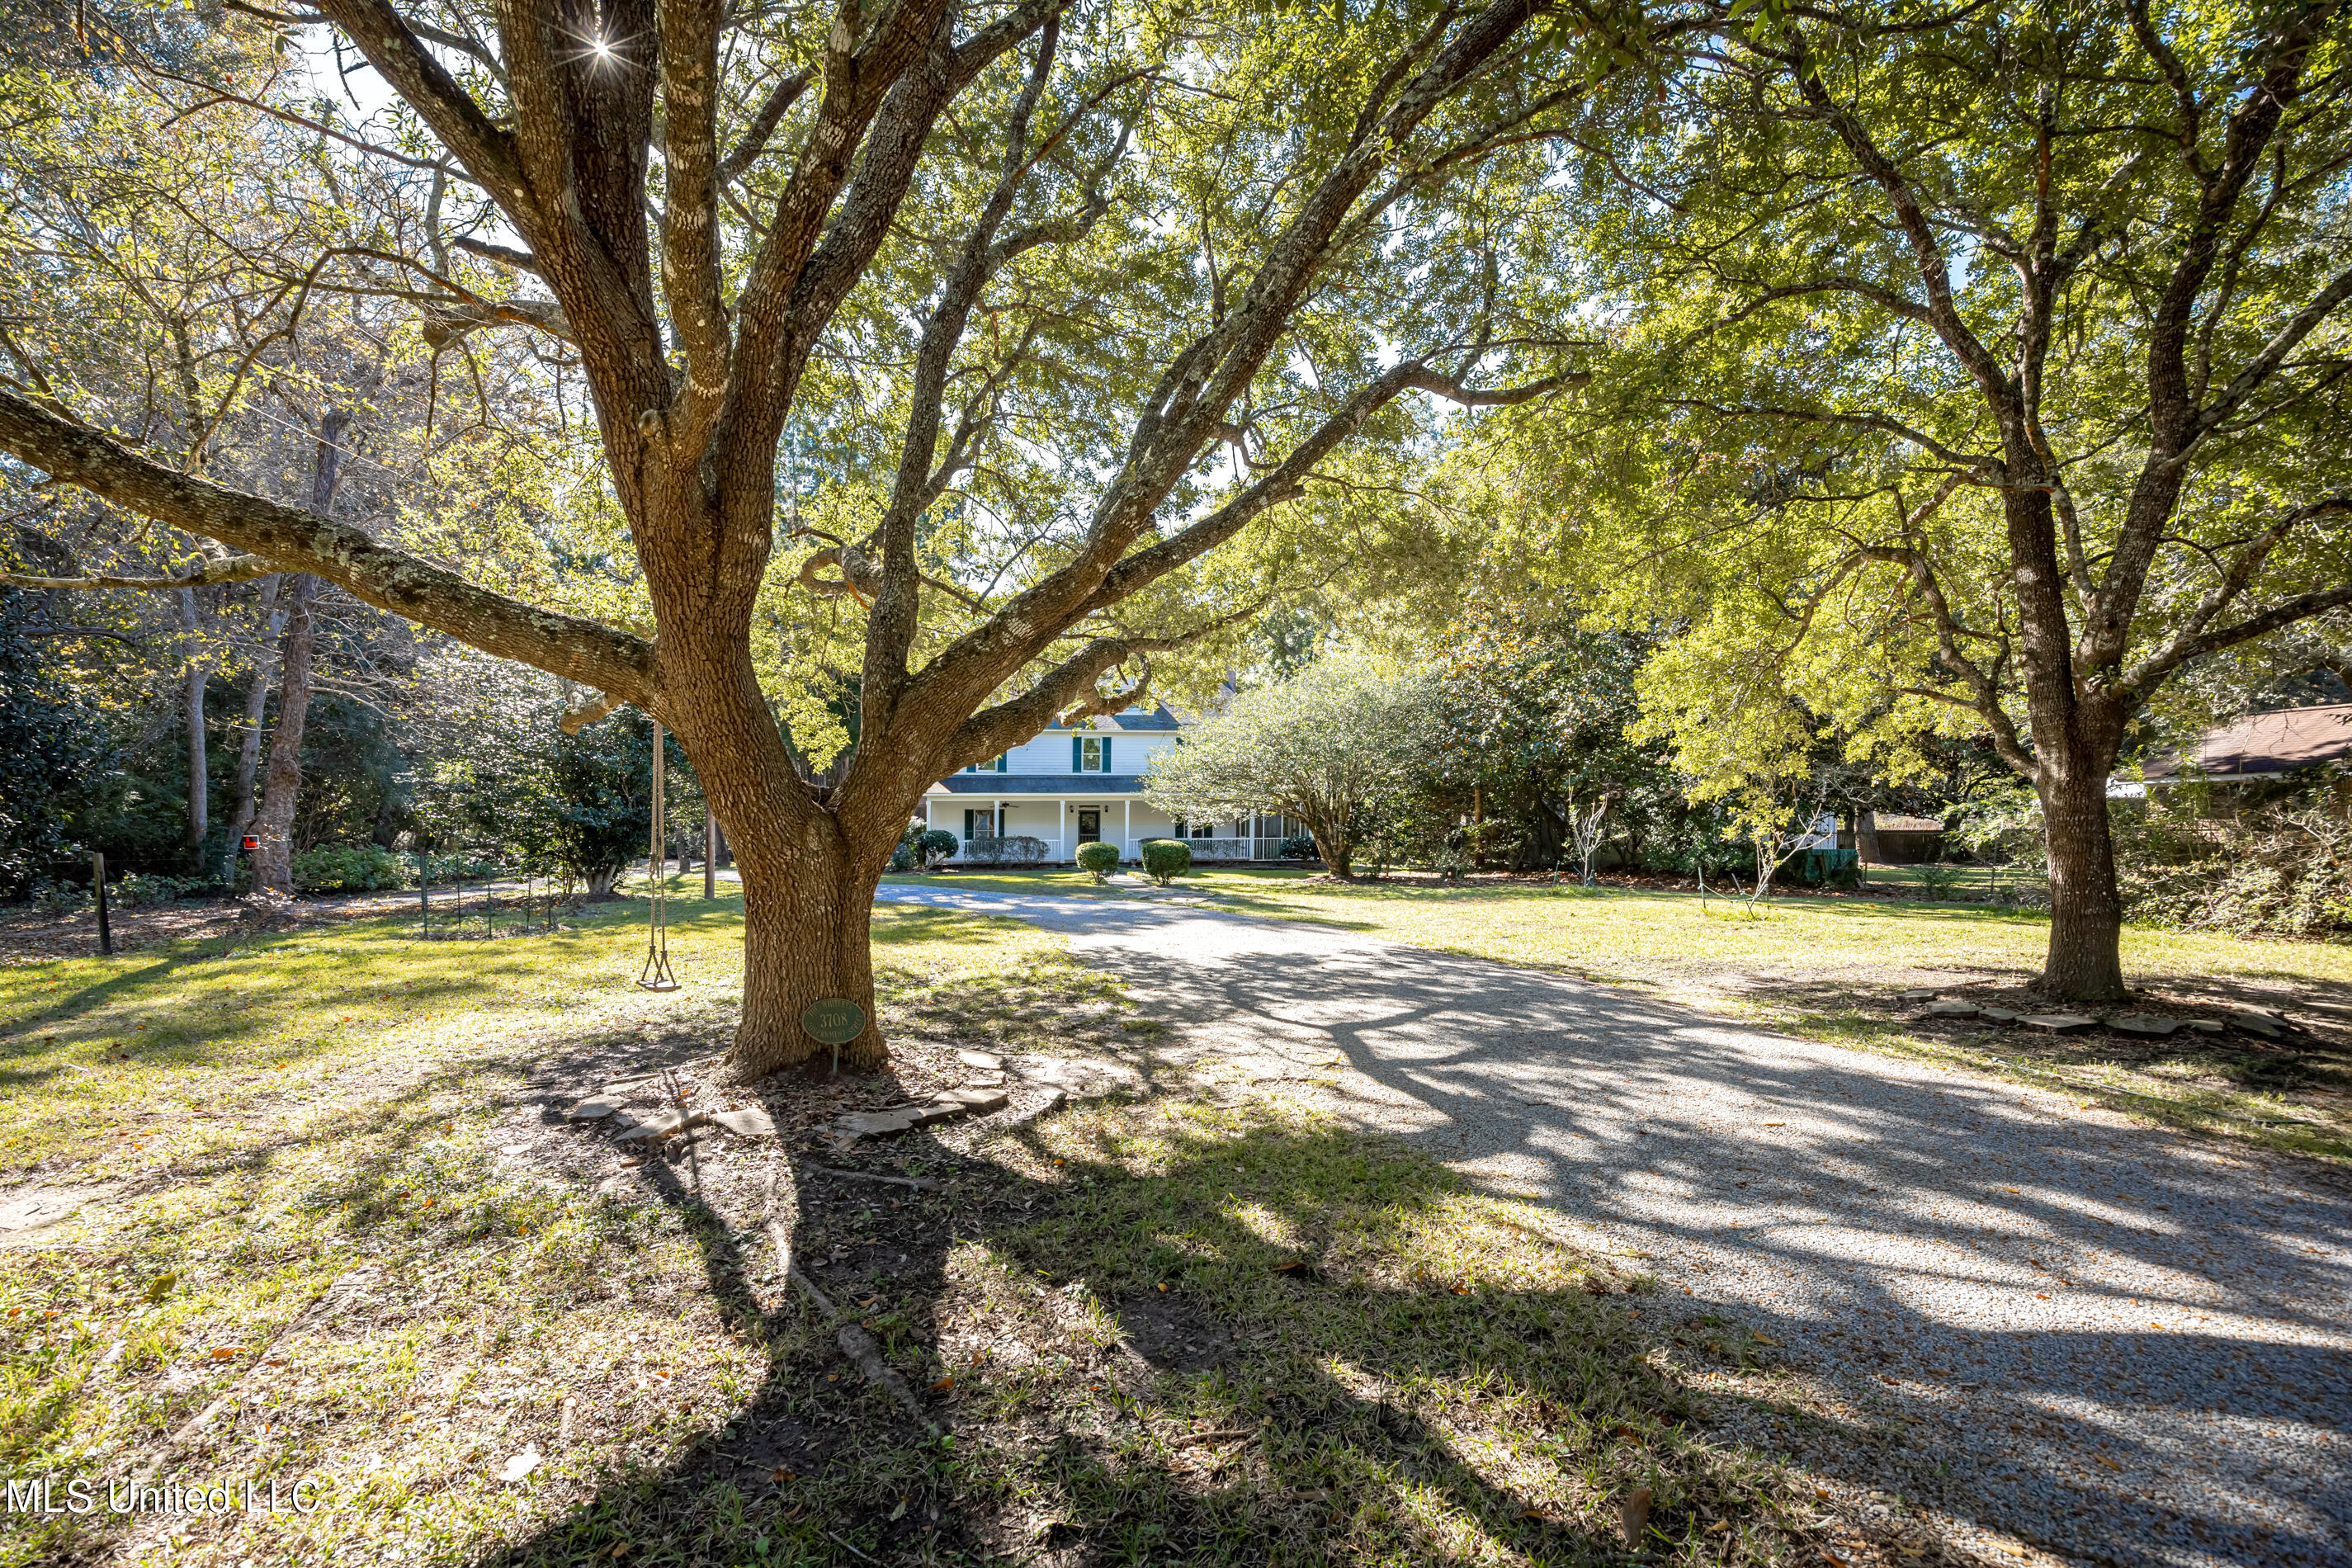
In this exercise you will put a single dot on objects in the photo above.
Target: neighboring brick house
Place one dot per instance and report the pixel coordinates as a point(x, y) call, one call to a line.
point(1071, 786)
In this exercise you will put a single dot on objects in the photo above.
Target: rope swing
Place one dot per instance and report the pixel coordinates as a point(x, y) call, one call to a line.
point(655, 975)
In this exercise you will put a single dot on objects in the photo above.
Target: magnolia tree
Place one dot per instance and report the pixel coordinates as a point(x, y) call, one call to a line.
point(1058, 298)
point(1325, 746)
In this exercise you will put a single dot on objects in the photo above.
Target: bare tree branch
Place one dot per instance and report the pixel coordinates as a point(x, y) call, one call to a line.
point(233, 569)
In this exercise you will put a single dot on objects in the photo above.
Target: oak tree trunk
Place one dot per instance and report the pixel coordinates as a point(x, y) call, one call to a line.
point(808, 890)
point(2085, 958)
point(1331, 843)
point(2076, 736)
point(805, 940)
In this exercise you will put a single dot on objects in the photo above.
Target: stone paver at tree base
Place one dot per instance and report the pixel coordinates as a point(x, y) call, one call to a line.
point(2118, 1344)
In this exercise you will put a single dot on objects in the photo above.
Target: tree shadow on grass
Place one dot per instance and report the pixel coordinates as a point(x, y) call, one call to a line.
point(1932, 1214)
point(1152, 1334)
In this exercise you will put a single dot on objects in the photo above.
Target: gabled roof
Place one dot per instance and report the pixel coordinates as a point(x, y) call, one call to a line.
point(2264, 744)
point(1153, 718)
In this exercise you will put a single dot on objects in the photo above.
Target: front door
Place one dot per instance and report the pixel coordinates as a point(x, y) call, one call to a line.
point(1090, 825)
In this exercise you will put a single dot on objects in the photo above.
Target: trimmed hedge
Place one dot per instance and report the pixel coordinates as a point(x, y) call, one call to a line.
point(1013, 849)
point(1101, 859)
point(1165, 860)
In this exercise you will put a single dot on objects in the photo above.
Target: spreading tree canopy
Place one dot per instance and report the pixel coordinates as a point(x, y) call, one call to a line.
point(1977, 370)
point(1055, 299)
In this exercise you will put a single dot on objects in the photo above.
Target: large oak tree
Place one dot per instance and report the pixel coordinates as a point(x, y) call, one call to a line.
point(1099, 286)
point(1979, 370)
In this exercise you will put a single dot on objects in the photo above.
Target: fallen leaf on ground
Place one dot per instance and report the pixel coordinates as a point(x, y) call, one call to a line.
point(1634, 1515)
point(520, 1466)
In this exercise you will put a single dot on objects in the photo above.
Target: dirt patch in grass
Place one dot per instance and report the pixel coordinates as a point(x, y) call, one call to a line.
point(2292, 1093)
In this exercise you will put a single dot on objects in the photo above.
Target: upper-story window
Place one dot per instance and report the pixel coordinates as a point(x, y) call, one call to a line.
point(1090, 753)
point(995, 764)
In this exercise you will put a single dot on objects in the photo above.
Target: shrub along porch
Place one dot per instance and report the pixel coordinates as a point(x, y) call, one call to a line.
point(1064, 787)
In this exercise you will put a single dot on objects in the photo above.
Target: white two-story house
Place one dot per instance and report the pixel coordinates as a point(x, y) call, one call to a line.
point(1084, 786)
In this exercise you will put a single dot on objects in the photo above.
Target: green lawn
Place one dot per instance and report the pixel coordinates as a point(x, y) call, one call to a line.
point(327, 1214)
point(1830, 967)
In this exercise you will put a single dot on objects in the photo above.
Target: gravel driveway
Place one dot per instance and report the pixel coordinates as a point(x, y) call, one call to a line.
point(2118, 1343)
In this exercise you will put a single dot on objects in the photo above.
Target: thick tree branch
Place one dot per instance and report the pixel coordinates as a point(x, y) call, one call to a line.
point(389, 579)
point(890, 631)
point(1927, 252)
point(2265, 363)
point(691, 241)
point(506, 255)
point(771, 114)
point(404, 62)
point(2196, 639)
point(2302, 607)
point(1190, 407)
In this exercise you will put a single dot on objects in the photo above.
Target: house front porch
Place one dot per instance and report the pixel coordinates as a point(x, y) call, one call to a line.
point(1066, 818)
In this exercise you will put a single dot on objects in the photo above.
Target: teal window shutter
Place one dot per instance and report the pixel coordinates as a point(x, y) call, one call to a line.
point(1106, 753)
point(1077, 754)
point(1004, 762)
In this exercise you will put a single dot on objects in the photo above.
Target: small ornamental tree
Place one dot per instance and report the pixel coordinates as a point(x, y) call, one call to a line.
point(1322, 746)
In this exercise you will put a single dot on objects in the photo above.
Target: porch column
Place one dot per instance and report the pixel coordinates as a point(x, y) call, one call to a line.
point(1061, 829)
point(1127, 829)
